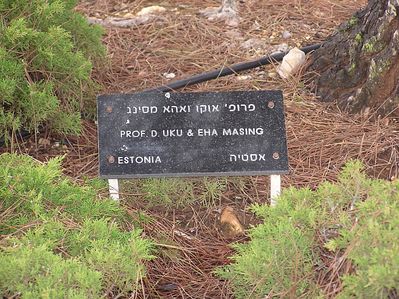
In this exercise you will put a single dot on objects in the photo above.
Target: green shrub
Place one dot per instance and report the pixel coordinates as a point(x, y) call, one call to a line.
point(168, 192)
point(40, 191)
point(211, 191)
point(105, 248)
point(39, 273)
point(372, 242)
point(63, 240)
point(46, 54)
point(177, 192)
point(278, 261)
point(281, 258)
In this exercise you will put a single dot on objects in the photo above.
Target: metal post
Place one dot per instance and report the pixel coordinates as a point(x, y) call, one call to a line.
point(113, 188)
point(275, 188)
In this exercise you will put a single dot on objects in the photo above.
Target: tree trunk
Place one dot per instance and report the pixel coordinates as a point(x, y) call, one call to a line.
point(358, 66)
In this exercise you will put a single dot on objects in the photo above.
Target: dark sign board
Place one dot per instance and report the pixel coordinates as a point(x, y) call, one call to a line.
point(191, 134)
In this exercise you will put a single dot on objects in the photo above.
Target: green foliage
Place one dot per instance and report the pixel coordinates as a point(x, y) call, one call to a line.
point(72, 244)
point(105, 248)
point(177, 192)
point(352, 68)
point(372, 243)
point(212, 190)
point(280, 259)
point(36, 190)
point(36, 272)
point(353, 22)
point(373, 45)
point(46, 56)
point(358, 38)
point(168, 192)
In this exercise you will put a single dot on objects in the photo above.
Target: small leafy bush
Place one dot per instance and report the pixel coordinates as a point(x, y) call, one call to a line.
point(36, 272)
point(211, 191)
point(281, 258)
point(372, 242)
point(62, 240)
point(110, 251)
point(168, 192)
point(278, 261)
point(40, 191)
point(46, 56)
point(177, 192)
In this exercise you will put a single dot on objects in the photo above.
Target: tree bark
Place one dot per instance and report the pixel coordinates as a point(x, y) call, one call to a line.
point(358, 66)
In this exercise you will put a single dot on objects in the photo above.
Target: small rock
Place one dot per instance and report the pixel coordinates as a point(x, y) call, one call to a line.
point(291, 63)
point(151, 10)
point(252, 43)
point(234, 34)
point(169, 75)
point(281, 48)
point(128, 15)
point(286, 34)
point(272, 74)
point(227, 14)
point(230, 224)
point(232, 22)
point(182, 234)
point(44, 141)
point(209, 12)
point(243, 77)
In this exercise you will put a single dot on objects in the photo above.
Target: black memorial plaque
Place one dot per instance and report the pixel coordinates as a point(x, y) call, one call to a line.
point(192, 134)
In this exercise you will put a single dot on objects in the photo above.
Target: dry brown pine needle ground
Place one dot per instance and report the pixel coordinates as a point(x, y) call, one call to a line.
point(183, 42)
point(320, 138)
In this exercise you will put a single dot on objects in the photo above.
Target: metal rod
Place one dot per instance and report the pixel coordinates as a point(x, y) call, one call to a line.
point(226, 70)
point(114, 188)
point(275, 189)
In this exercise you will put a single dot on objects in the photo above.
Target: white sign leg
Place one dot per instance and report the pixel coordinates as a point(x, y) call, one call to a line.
point(275, 188)
point(113, 188)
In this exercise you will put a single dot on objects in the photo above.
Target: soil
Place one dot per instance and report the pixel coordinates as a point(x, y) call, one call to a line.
point(321, 138)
